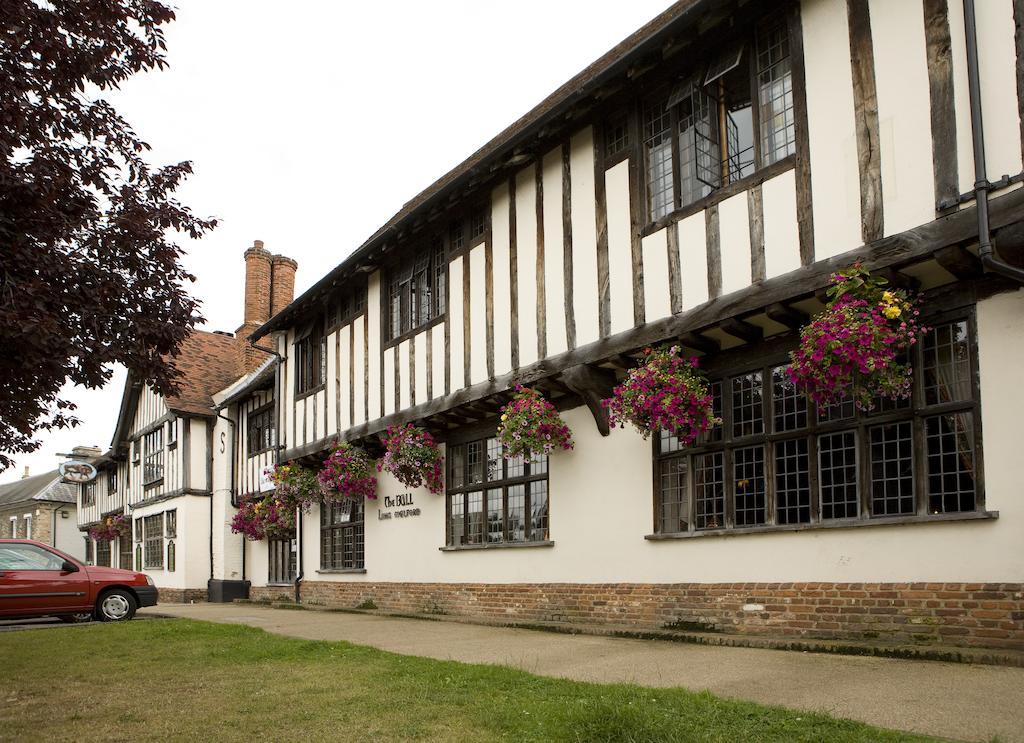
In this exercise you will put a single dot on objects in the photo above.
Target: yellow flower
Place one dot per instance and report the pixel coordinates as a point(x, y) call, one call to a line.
point(504, 416)
point(258, 506)
point(892, 312)
point(888, 296)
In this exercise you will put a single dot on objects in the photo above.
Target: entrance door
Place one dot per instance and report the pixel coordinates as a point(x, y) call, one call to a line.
point(32, 581)
point(282, 561)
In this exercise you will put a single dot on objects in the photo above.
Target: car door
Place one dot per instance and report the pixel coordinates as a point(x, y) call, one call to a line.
point(33, 581)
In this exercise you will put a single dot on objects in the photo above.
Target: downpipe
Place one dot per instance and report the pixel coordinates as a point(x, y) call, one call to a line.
point(990, 261)
point(231, 484)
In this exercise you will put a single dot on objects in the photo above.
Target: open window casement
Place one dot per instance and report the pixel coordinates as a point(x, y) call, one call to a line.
point(725, 63)
point(698, 132)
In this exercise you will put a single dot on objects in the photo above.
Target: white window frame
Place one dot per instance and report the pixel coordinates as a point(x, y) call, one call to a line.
point(28, 526)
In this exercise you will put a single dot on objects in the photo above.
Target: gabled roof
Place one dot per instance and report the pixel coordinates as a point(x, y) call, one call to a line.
point(647, 40)
point(45, 487)
point(209, 362)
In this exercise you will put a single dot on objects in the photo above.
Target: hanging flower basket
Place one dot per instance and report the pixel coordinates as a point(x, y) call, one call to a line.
point(296, 485)
point(264, 518)
point(666, 393)
point(412, 456)
point(348, 473)
point(111, 528)
point(854, 347)
point(531, 427)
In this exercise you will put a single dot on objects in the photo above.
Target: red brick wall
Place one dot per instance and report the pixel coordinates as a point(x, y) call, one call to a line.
point(181, 595)
point(961, 614)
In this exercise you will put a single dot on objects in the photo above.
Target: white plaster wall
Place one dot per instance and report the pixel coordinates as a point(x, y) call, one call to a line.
point(420, 387)
point(526, 262)
point(345, 376)
point(781, 231)
point(198, 454)
point(331, 387)
point(904, 113)
point(192, 545)
point(68, 538)
point(389, 381)
point(835, 183)
point(405, 376)
point(620, 255)
point(734, 242)
point(601, 495)
point(359, 373)
point(478, 314)
point(454, 320)
point(584, 237)
point(657, 299)
point(554, 253)
point(373, 290)
point(501, 277)
point(438, 359)
point(693, 260)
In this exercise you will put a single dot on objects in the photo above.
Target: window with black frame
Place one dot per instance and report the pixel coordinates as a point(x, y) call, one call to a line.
point(342, 535)
point(416, 288)
point(779, 460)
point(102, 553)
point(310, 359)
point(721, 122)
point(347, 306)
point(262, 435)
point(153, 541)
point(493, 500)
point(89, 493)
point(153, 456)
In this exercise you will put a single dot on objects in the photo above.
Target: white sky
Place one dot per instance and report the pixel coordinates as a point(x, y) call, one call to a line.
point(310, 123)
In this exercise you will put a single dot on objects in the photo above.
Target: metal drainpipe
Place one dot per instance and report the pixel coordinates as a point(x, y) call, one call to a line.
point(989, 260)
point(231, 485)
point(279, 400)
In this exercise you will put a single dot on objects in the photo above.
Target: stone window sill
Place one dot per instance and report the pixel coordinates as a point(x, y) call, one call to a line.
point(498, 546)
point(841, 524)
point(336, 571)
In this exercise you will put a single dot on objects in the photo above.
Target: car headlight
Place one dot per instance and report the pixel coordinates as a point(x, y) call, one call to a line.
point(150, 581)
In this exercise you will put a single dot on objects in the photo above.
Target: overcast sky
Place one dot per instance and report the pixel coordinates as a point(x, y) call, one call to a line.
point(310, 123)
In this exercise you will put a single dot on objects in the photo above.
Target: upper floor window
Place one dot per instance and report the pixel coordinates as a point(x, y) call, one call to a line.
point(261, 434)
point(493, 500)
point(111, 481)
point(347, 306)
point(721, 122)
point(416, 289)
point(172, 433)
point(89, 494)
point(153, 456)
point(777, 459)
point(310, 359)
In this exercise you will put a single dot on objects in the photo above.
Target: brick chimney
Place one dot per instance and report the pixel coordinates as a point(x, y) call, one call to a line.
point(282, 283)
point(269, 287)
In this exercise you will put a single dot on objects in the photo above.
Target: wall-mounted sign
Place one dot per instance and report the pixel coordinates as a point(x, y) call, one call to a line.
point(403, 503)
point(77, 472)
point(266, 480)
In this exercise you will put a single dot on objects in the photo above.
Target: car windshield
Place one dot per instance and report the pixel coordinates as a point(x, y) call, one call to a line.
point(28, 557)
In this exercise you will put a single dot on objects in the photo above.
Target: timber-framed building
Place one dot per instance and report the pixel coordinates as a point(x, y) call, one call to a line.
point(698, 184)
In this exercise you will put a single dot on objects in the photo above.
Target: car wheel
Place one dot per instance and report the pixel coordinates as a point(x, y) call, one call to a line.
point(116, 606)
point(77, 618)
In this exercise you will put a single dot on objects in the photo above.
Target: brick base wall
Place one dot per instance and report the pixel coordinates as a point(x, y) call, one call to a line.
point(181, 595)
point(960, 614)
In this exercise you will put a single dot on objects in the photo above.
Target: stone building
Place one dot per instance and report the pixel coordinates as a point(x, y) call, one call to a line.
point(44, 508)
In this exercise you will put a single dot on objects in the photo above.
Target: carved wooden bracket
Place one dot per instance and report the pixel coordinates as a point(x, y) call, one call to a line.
point(593, 384)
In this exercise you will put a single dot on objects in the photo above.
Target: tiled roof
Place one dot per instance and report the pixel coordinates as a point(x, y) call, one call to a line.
point(45, 487)
point(209, 362)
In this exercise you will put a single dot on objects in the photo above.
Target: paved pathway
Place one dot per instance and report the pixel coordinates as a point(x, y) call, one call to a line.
point(953, 700)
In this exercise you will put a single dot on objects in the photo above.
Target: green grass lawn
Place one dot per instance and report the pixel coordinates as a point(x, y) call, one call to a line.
point(174, 679)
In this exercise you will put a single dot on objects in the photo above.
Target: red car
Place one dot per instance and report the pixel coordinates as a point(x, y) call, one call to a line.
point(37, 580)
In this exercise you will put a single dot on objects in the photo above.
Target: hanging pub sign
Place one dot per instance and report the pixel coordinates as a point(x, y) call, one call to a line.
point(77, 472)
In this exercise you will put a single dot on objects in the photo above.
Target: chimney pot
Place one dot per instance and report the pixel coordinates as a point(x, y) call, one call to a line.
point(282, 283)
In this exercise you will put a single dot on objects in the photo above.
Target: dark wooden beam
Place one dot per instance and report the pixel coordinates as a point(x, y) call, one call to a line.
point(701, 343)
point(897, 279)
point(593, 384)
point(785, 315)
point(742, 329)
point(959, 261)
